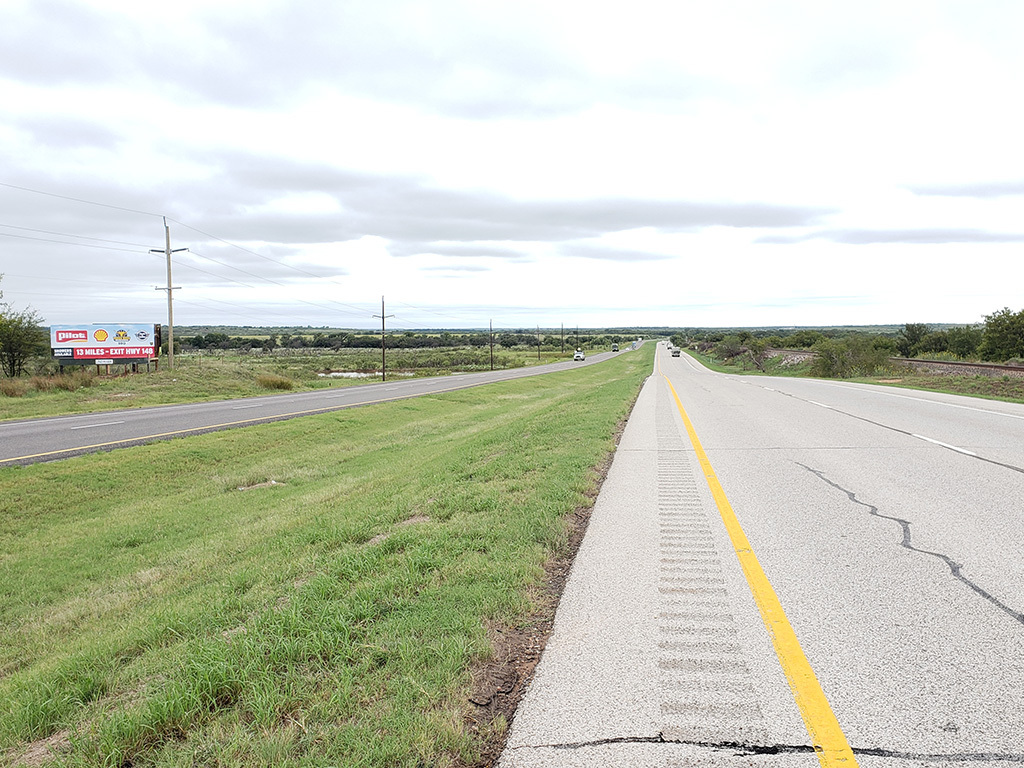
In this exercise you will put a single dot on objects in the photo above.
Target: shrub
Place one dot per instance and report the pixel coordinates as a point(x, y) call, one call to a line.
point(12, 388)
point(729, 347)
point(845, 358)
point(273, 381)
point(1003, 336)
point(42, 383)
point(77, 379)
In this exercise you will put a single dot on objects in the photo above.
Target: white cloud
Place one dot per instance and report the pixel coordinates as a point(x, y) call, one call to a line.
point(662, 162)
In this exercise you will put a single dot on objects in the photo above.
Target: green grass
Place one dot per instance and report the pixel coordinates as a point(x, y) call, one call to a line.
point(1007, 388)
point(206, 376)
point(153, 613)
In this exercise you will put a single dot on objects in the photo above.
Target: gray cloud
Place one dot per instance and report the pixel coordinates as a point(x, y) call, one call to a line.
point(458, 250)
point(460, 59)
point(406, 209)
point(65, 133)
point(606, 253)
point(907, 236)
point(456, 268)
point(981, 190)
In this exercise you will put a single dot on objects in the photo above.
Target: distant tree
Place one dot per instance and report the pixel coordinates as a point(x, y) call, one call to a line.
point(936, 341)
point(758, 350)
point(729, 347)
point(886, 344)
point(21, 338)
point(802, 339)
point(909, 338)
point(845, 358)
point(964, 342)
point(1003, 335)
point(217, 341)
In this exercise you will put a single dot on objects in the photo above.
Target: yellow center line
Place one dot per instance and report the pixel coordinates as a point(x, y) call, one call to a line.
point(822, 726)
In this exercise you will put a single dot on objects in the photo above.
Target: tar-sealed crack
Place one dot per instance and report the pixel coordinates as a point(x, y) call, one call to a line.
point(741, 749)
point(955, 568)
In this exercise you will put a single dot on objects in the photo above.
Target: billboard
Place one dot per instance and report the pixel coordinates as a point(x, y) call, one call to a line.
point(106, 342)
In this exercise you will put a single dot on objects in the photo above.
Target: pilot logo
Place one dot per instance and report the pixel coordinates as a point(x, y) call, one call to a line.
point(100, 335)
point(65, 336)
point(122, 335)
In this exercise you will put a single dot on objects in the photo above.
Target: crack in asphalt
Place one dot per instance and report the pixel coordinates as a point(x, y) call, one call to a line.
point(955, 568)
point(741, 749)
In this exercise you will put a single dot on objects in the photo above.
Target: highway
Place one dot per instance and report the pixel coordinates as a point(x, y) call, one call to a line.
point(29, 441)
point(792, 572)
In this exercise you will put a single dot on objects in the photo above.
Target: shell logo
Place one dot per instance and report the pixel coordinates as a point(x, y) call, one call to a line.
point(100, 335)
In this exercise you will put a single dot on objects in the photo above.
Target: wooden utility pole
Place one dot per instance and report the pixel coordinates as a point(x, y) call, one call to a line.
point(170, 290)
point(491, 337)
point(383, 354)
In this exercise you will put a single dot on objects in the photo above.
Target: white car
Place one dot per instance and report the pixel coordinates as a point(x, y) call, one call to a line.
point(579, 355)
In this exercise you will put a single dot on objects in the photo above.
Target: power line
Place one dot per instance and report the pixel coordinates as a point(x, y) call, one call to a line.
point(65, 242)
point(78, 199)
point(176, 221)
point(262, 256)
point(65, 234)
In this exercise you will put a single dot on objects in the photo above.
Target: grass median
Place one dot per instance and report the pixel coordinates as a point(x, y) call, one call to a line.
point(309, 592)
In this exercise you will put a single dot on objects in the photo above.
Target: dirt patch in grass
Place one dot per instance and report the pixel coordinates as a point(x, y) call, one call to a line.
point(500, 682)
point(43, 751)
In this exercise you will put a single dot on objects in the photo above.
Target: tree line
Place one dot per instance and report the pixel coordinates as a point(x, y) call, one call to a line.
point(406, 340)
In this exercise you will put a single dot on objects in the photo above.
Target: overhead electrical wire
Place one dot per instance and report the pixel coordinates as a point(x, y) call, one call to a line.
point(352, 309)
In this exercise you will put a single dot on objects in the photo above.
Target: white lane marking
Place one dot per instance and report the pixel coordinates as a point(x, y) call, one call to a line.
point(882, 391)
point(243, 407)
point(104, 424)
point(946, 445)
point(820, 405)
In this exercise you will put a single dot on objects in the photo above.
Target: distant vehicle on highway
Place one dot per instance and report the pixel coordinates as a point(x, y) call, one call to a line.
point(675, 352)
point(579, 355)
point(615, 347)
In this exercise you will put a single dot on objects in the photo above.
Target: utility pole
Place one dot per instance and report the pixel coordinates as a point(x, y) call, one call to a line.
point(170, 289)
point(577, 337)
point(383, 357)
point(538, 343)
point(491, 337)
point(563, 339)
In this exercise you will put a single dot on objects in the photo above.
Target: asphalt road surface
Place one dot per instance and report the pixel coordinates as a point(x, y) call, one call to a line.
point(33, 440)
point(813, 573)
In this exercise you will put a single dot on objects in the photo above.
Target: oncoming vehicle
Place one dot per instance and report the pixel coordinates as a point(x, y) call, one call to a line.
point(579, 355)
point(615, 347)
point(675, 352)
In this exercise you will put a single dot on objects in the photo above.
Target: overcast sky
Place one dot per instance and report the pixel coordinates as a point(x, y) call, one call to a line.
point(642, 163)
